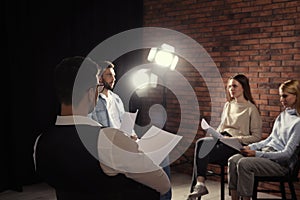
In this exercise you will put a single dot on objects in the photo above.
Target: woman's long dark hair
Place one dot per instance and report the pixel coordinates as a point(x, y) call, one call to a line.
point(244, 81)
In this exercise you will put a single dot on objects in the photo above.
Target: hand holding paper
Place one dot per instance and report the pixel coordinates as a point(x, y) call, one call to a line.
point(128, 122)
point(230, 141)
point(157, 144)
point(210, 129)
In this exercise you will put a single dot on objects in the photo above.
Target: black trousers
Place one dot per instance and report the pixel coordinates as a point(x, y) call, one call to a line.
point(209, 151)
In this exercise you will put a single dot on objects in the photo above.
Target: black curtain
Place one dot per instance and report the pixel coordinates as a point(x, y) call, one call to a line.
point(38, 34)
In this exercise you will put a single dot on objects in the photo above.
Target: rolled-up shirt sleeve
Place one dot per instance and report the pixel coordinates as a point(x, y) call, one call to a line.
point(118, 153)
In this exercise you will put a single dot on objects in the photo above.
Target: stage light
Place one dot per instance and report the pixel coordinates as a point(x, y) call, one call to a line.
point(163, 56)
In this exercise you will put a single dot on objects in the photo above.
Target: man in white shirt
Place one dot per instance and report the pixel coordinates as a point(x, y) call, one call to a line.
point(109, 110)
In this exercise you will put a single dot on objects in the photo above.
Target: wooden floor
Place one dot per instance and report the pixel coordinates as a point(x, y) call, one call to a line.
point(180, 189)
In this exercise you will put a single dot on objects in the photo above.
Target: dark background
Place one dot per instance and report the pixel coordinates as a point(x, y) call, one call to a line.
point(38, 35)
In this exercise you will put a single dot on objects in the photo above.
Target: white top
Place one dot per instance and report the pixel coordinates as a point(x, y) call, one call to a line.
point(113, 112)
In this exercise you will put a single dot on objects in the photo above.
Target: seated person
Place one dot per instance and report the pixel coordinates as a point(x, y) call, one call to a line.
point(83, 160)
point(240, 118)
point(109, 110)
point(275, 155)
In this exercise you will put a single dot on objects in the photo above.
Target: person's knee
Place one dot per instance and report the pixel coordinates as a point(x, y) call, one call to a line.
point(243, 165)
point(199, 143)
point(233, 160)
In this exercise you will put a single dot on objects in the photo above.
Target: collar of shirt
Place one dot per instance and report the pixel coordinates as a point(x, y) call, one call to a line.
point(109, 92)
point(291, 111)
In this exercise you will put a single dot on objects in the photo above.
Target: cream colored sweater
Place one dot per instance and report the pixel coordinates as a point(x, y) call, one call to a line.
point(241, 120)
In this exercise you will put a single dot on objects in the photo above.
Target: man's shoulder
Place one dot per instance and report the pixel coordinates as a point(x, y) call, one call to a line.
point(101, 103)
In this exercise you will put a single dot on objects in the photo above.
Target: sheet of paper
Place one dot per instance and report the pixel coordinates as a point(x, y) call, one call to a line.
point(230, 141)
point(128, 122)
point(210, 130)
point(157, 143)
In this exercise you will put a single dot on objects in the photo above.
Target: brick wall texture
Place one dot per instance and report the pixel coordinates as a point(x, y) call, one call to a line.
point(259, 38)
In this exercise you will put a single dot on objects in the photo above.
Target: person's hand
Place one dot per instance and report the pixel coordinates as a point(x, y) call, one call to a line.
point(248, 152)
point(134, 136)
point(246, 147)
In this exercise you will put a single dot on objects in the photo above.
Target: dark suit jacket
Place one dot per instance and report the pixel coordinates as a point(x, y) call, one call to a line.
point(67, 160)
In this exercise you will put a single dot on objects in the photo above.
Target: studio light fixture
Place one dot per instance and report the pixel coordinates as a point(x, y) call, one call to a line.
point(163, 56)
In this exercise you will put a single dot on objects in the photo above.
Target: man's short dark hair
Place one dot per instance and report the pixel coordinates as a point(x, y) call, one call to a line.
point(74, 73)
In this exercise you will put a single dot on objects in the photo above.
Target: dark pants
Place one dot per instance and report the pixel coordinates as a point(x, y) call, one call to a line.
point(209, 151)
point(167, 169)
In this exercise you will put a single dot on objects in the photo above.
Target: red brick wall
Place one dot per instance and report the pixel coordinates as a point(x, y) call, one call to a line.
point(259, 38)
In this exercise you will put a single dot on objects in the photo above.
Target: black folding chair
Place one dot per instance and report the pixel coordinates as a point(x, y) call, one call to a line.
point(290, 178)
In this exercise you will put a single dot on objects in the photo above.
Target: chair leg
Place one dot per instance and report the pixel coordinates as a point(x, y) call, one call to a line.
point(254, 196)
point(292, 190)
point(282, 189)
point(222, 182)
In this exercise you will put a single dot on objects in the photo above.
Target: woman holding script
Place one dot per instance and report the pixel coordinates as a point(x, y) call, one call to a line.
point(240, 119)
point(274, 156)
